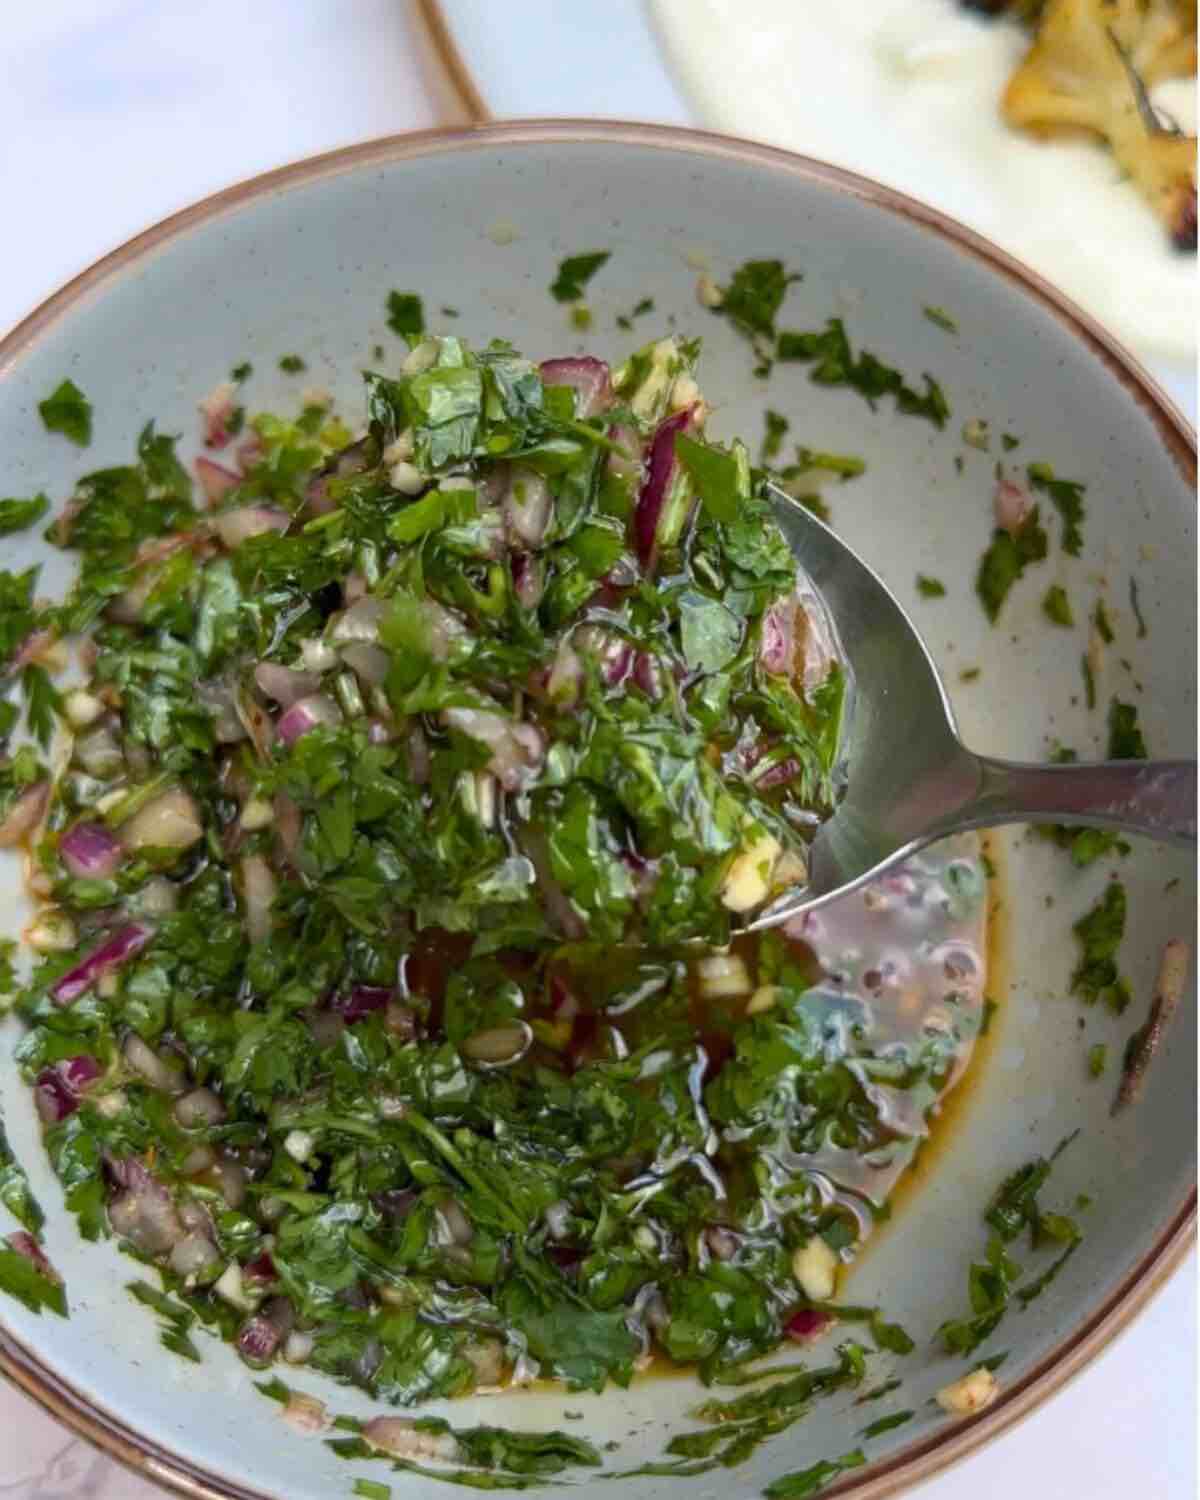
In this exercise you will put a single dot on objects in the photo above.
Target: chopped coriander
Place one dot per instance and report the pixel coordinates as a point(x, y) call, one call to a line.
point(241, 372)
point(975, 434)
point(1089, 680)
point(67, 410)
point(1005, 561)
point(968, 674)
point(809, 1481)
point(17, 515)
point(640, 309)
point(835, 364)
point(887, 1424)
point(1067, 497)
point(941, 318)
point(292, 364)
point(574, 273)
point(776, 429)
point(42, 703)
point(23, 1275)
point(1097, 1059)
point(930, 588)
point(1099, 933)
point(370, 1489)
point(755, 294)
point(1125, 740)
point(15, 1192)
point(1102, 623)
point(844, 465)
point(449, 312)
point(1135, 605)
point(176, 1318)
point(1057, 607)
point(581, 317)
point(1008, 442)
point(406, 316)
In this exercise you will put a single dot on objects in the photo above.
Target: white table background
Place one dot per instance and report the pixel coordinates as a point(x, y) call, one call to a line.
point(114, 113)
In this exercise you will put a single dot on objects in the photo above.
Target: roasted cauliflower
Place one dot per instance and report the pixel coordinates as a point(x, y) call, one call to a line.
point(1089, 67)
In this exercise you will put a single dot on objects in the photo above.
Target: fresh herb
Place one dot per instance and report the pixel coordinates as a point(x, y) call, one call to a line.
point(241, 373)
point(574, 273)
point(406, 316)
point(776, 430)
point(25, 1275)
point(941, 318)
point(1089, 680)
point(1097, 1059)
point(17, 515)
point(370, 1489)
point(930, 588)
point(42, 703)
point(15, 1192)
point(1102, 623)
point(292, 364)
point(1057, 607)
point(809, 1481)
point(1135, 605)
point(754, 296)
point(67, 410)
point(581, 317)
point(1005, 562)
point(835, 364)
point(1067, 498)
point(176, 1318)
point(1099, 933)
point(844, 465)
point(1125, 741)
point(1008, 442)
point(625, 320)
point(887, 1424)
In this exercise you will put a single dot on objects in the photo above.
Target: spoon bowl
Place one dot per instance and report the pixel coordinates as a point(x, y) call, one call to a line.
point(908, 777)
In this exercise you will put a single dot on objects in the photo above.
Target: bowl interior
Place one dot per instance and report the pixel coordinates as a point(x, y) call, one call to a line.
point(304, 266)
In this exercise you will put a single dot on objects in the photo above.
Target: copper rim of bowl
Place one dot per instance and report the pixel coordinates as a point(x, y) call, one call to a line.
point(920, 1460)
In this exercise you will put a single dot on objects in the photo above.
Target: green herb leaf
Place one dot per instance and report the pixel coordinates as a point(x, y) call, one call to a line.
point(1100, 932)
point(721, 481)
point(17, 515)
point(574, 273)
point(1006, 560)
point(406, 316)
point(67, 410)
point(1097, 1059)
point(813, 1479)
point(15, 1192)
point(1057, 607)
point(1067, 497)
point(835, 364)
point(1125, 741)
point(25, 1281)
point(941, 318)
point(930, 588)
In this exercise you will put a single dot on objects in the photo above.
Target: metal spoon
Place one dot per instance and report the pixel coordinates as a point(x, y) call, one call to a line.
point(909, 779)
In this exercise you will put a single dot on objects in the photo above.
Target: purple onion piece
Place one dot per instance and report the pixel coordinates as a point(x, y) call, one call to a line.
point(257, 1340)
point(307, 714)
point(58, 1088)
point(528, 575)
point(285, 684)
point(126, 943)
point(527, 508)
point(586, 376)
point(660, 471)
point(90, 851)
point(24, 815)
point(215, 480)
point(361, 1002)
point(777, 646)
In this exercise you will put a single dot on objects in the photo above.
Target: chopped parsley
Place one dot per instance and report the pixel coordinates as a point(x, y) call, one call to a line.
point(930, 588)
point(242, 372)
point(67, 410)
point(754, 296)
point(1125, 740)
point(640, 309)
point(835, 364)
point(1089, 680)
point(813, 1479)
point(1099, 933)
point(1006, 559)
point(1067, 498)
point(776, 430)
point(1097, 1060)
point(1135, 605)
point(1057, 607)
point(292, 364)
point(844, 465)
point(1102, 623)
point(23, 1277)
point(940, 318)
point(574, 273)
point(15, 1192)
point(18, 515)
point(1008, 442)
point(406, 316)
point(176, 1319)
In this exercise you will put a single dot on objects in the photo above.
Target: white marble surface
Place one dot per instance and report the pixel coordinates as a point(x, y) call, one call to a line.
point(116, 112)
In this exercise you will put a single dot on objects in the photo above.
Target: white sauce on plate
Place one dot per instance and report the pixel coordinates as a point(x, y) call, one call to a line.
point(908, 92)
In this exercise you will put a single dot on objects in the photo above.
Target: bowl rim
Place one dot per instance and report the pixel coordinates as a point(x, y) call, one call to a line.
point(919, 1461)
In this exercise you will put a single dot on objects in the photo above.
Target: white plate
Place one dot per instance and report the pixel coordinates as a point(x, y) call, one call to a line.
point(547, 57)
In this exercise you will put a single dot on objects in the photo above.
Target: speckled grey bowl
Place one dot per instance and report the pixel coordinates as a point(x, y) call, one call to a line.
point(301, 261)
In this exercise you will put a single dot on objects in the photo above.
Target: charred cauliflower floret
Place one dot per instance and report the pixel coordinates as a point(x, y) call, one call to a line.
point(1088, 69)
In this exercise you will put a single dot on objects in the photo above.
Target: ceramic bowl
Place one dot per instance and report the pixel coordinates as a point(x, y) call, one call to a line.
point(301, 261)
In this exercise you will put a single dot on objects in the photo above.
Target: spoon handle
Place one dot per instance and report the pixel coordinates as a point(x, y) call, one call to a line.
point(1154, 797)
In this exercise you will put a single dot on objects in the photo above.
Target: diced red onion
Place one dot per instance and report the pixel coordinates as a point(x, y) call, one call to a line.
point(308, 713)
point(628, 439)
point(90, 851)
point(194, 1255)
point(656, 486)
point(529, 580)
point(361, 1002)
point(198, 1108)
point(144, 1213)
point(1011, 505)
point(369, 663)
point(146, 1062)
point(171, 821)
point(807, 1324)
point(613, 652)
point(395, 1203)
point(527, 508)
point(215, 480)
point(285, 684)
point(257, 1340)
point(587, 377)
point(34, 646)
point(25, 814)
point(59, 1087)
point(25, 1245)
point(126, 943)
point(259, 889)
point(360, 622)
point(217, 409)
point(237, 526)
point(777, 645)
point(261, 1269)
point(517, 749)
point(298, 1347)
point(647, 673)
point(779, 774)
point(249, 452)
